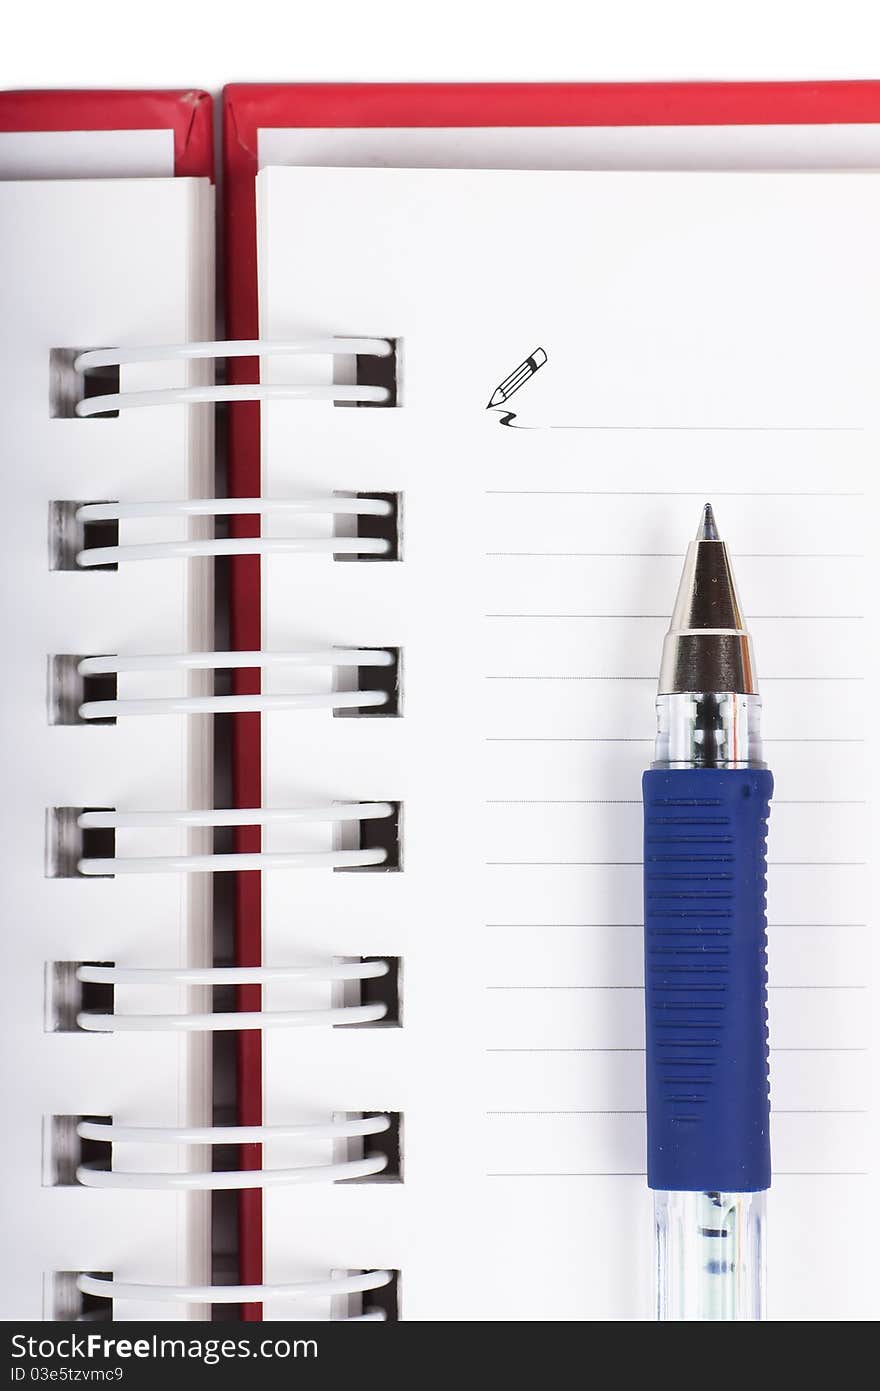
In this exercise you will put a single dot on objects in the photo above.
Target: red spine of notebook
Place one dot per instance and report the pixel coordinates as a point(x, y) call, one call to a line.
point(247, 109)
point(187, 114)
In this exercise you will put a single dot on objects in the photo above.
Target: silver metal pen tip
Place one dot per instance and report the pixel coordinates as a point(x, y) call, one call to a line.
point(707, 647)
point(708, 530)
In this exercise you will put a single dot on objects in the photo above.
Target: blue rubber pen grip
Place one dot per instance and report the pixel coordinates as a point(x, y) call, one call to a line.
point(705, 872)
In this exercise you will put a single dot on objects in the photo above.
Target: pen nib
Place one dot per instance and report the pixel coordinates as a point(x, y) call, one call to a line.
point(707, 647)
point(707, 530)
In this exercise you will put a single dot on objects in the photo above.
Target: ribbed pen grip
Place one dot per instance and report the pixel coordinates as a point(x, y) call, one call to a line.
point(708, 1096)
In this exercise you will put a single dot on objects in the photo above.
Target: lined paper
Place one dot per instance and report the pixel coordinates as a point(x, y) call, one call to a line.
point(707, 336)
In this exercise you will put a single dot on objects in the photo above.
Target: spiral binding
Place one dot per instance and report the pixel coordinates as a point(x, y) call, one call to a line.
point(100, 1021)
point(237, 1294)
point(247, 545)
point(94, 1175)
point(339, 812)
point(333, 659)
point(194, 395)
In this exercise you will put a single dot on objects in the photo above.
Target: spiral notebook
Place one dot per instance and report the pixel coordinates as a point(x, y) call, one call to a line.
point(541, 539)
point(448, 605)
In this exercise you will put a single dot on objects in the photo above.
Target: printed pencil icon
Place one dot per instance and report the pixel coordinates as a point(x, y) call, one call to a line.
point(518, 377)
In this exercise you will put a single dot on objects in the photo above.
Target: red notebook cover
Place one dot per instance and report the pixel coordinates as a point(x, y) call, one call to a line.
point(187, 114)
point(249, 108)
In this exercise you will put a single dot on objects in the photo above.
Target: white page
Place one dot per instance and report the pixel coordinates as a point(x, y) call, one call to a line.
point(709, 336)
point(575, 147)
point(99, 264)
point(86, 154)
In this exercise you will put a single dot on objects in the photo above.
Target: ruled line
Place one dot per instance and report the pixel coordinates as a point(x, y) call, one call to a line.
point(641, 1050)
point(638, 864)
point(505, 676)
point(592, 676)
point(635, 802)
point(644, 492)
point(639, 926)
point(640, 1111)
point(668, 555)
point(713, 429)
point(641, 1173)
point(586, 1173)
point(630, 739)
point(641, 988)
point(664, 617)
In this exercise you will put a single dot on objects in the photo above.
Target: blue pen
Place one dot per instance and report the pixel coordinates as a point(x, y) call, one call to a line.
point(706, 804)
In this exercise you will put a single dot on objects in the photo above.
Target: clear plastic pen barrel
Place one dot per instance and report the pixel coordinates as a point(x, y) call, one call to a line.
point(709, 1252)
point(706, 801)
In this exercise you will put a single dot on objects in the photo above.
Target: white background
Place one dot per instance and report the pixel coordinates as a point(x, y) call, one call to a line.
point(168, 43)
